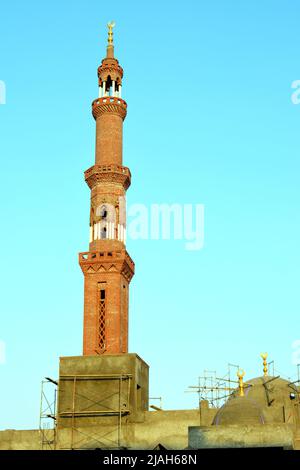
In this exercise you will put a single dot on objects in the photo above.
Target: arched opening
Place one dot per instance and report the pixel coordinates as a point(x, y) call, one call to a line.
point(103, 212)
point(108, 86)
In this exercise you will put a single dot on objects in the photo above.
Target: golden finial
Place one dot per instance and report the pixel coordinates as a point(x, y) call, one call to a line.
point(241, 374)
point(264, 358)
point(110, 26)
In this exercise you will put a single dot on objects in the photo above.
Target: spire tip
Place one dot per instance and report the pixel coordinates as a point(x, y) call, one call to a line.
point(110, 26)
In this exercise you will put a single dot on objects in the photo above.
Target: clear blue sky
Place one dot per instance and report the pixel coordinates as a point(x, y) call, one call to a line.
point(210, 120)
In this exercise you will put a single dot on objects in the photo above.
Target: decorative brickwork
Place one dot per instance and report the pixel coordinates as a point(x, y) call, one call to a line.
point(98, 174)
point(101, 319)
point(107, 267)
point(110, 67)
point(109, 104)
point(110, 261)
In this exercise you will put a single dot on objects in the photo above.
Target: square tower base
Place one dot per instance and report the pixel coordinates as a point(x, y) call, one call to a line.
point(98, 397)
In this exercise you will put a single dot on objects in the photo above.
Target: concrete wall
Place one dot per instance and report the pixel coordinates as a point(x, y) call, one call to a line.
point(169, 428)
point(172, 429)
point(265, 435)
point(20, 440)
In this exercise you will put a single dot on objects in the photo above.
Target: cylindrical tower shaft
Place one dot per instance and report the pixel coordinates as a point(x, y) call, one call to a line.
point(109, 129)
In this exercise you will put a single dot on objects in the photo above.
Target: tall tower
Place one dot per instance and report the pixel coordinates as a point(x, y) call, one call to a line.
point(107, 267)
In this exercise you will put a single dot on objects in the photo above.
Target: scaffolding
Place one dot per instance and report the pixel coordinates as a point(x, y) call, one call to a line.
point(154, 407)
point(270, 365)
point(216, 390)
point(97, 407)
point(47, 422)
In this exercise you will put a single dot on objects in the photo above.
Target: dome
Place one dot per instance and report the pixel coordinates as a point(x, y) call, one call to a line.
point(267, 399)
point(268, 390)
point(239, 410)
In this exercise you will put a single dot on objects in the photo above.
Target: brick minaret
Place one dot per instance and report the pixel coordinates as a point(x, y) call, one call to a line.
point(107, 267)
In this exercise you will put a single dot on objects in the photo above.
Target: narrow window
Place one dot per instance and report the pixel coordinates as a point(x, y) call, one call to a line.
point(101, 317)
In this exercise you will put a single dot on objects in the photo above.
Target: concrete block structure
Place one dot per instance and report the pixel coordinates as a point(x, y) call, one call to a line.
point(100, 391)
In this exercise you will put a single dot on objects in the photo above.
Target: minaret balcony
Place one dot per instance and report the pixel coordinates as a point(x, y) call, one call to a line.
point(107, 261)
point(108, 174)
point(109, 104)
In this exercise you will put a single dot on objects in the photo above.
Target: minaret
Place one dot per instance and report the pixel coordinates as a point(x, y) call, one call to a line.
point(107, 267)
